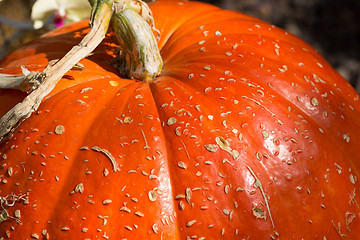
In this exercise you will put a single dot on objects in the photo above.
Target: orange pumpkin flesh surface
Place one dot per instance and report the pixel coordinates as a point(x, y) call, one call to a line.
point(247, 134)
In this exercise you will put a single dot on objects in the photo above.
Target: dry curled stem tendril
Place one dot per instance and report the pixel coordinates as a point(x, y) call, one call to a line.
point(9, 201)
point(258, 184)
point(19, 82)
point(109, 156)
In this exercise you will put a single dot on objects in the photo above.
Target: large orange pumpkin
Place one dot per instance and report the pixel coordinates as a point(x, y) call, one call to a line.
point(247, 134)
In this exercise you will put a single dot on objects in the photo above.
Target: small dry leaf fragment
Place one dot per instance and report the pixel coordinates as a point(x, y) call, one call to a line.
point(35, 236)
point(182, 165)
point(314, 102)
point(109, 156)
point(128, 228)
point(17, 214)
point(224, 145)
point(179, 196)
point(106, 201)
point(139, 214)
point(128, 119)
point(265, 134)
point(85, 89)
point(125, 209)
point(104, 218)
point(210, 147)
point(10, 171)
point(188, 195)
point(155, 228)
point(59, 129)
point(152, 195)
point(181, 205)
point(171, 121)
point(258, 212)
point(79, 188)
point(190, 223)
point(106, 172)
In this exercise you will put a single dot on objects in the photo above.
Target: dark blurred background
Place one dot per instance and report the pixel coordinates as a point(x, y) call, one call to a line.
point(330, 26)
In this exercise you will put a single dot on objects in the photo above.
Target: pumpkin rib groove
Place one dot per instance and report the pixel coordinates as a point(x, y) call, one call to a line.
point(173, 164)
point(103, 161)
point(166, 169)
point(170, 164)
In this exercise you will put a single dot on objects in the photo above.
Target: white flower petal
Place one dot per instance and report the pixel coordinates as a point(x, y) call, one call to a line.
point(38, 24)
point(43, 8)
point(74, 10)
point(74, 4)
point(74, 15)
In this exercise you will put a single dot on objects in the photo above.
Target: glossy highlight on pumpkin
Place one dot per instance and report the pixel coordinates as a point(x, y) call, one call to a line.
point(247, 134)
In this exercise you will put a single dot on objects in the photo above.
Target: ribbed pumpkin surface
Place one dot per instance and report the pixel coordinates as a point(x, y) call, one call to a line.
point(247, 134)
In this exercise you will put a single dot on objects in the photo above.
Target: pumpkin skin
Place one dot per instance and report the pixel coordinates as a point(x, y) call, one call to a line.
point(247, 134)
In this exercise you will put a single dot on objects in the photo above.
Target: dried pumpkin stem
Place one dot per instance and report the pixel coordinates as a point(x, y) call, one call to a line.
point(55, 71)
point(19, 82)
point(139, 55)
